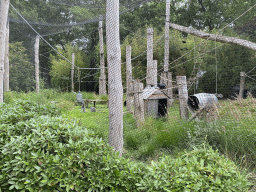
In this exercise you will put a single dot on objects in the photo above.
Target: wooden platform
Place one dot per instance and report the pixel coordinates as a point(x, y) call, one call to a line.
point(87, 101)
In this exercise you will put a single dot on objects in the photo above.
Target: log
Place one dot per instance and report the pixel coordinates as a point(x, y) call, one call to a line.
point(215, 37)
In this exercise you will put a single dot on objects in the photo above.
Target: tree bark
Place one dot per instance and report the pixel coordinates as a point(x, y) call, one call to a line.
point(6, 60)
point(37, 62)
point(4, 8)
point(114, 76)
point(213, 37)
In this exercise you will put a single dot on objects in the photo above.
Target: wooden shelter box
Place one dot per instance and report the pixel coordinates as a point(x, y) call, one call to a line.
point(155, 102)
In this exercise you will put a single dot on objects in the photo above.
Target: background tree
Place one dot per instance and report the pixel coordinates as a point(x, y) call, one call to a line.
point(21, 70)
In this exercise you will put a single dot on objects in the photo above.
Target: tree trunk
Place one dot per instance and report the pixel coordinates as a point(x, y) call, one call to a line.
point(102, 80)
point(213, 37)
point(166, 44)
point(37, 62)
point(4, 8)
point(114, 76)
point(6, 60)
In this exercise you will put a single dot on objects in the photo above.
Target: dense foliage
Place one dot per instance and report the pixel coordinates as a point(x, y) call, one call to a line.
point(41, 151)
point(21, 70)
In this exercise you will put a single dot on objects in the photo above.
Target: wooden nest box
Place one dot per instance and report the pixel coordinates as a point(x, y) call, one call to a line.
point(155, 102)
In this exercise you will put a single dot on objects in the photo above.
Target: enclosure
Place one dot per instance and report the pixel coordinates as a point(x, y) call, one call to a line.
point(184, 69)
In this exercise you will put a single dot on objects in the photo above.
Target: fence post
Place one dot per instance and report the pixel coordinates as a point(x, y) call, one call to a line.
point(115, 86)
point(183, 96)
point(154, 73)
point(138, 102)
point(129, 84)
point(72, 71)
point(6, 60)
point(102, 79)
point(169, 89)
point(37, 62)
point(4, 7)
point(166, 44)
point(242, 82)
point(149, 56)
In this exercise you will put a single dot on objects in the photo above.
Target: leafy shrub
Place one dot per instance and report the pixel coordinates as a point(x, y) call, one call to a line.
point(197, 170)
point(23, 110)
point(55, 154)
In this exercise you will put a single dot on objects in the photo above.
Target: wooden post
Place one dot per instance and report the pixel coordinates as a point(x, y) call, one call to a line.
point(4, 7)
point(164, 78)
point(129, 84)
point(138, 102)
point(37, 62)
point(102, 79)
point(242, 82)
point(169, 89)
point(166, 44)
point(183, 96)
point(154, 73)
point(72, 72)
point(149, 56)
point(114, 76)
point(6, 60)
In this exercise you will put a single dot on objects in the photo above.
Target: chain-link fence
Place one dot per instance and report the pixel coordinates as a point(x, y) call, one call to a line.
point(184, 72)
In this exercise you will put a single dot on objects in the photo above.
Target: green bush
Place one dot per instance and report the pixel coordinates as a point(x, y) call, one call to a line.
point(41, 151)
point(55, 154)
point(201, 169)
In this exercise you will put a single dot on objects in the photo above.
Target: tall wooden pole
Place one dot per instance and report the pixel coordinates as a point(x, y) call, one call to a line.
point(129, 84)
point(154, 73)
point(6, 60)
point(138, 102)
point(102, 80)
point(4, 8)
point(37, 62)
point(166, 44)
point(72, 72)
point(114, 76)
point(149, 56)
point(183, 96)
point(242, 82)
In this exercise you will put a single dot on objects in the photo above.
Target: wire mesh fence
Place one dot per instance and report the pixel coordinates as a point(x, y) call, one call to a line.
point(182, 78)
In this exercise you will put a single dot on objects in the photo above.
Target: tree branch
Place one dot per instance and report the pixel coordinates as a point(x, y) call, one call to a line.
point(213, 37)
